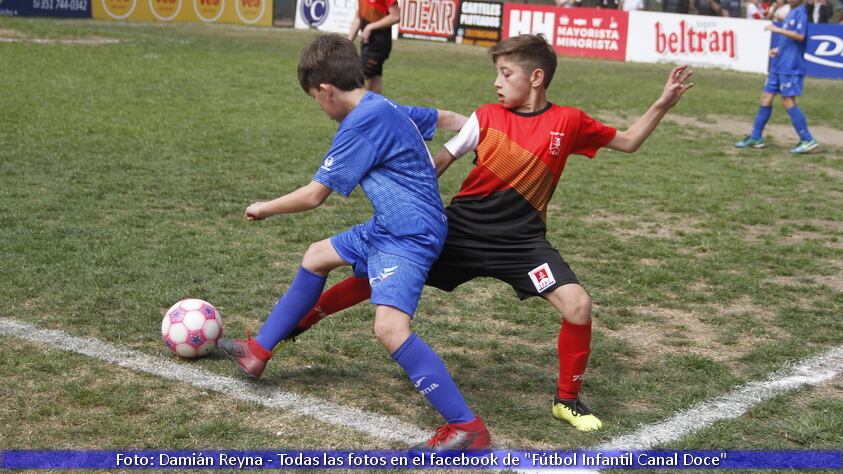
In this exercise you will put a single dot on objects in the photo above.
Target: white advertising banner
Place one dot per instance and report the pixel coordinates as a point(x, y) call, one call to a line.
point(728, 43)
point(330, 16)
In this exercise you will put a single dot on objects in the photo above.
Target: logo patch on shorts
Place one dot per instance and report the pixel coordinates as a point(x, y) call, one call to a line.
point(542, 277)
point(384, 274)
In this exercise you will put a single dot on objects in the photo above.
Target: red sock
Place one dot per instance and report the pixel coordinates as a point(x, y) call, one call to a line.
point(573, 349)
point(344, 294)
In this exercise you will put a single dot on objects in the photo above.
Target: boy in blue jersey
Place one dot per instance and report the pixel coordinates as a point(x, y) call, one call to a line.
point(378, 145)
point(786, 76)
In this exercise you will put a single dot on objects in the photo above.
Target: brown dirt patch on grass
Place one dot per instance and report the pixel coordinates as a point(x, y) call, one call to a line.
point(781, 133)
point(661, 225)
point(696, 331)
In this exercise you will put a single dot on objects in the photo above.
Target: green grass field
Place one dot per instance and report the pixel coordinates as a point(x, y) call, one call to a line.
point(125, 168)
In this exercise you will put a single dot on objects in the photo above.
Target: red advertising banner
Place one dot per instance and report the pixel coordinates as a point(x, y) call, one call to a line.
point(586, 32)
point(428, 19)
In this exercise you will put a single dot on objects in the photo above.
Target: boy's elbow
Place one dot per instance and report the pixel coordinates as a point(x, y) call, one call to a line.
point(316, 200)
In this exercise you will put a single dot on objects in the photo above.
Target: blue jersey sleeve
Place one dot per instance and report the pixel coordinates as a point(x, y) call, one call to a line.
point(799, 22)
point(425, 119)
point(347, 162)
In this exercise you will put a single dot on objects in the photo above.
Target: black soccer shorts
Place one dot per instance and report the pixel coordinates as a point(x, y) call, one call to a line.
point(530, 272)
point(374, 53)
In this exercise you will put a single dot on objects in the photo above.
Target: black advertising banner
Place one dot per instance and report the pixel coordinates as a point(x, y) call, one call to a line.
point(54, 8)
point(480, 23)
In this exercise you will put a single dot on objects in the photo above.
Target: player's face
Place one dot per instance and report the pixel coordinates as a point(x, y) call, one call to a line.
point(512, 83)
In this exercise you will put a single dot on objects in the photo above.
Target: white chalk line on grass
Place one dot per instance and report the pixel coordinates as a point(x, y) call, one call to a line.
point(811, 371)
point(369, 423)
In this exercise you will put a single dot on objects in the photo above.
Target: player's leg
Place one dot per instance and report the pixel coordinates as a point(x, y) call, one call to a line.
point(542, 272)
point(375, 84)
point(454, 267)
point(791, 89)
point(345, 294)
point(573, 349)
point(251, 355)
point(396, 288)
point(765, 109)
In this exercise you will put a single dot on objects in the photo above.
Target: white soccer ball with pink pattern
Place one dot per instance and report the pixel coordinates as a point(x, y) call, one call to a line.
point(191, 328)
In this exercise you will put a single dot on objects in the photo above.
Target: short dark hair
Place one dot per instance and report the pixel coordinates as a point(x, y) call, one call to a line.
point(330, 59)
point(530, 52)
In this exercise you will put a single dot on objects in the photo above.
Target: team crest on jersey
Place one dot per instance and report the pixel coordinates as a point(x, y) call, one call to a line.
point(542, 277)
point(329, 161)
point(556, 143)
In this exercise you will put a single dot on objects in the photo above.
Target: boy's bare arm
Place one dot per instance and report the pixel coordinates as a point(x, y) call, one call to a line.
point(790, 34)
point(305, 198)
point(629, 140)
point(443, 160)
point(355, 27)
point(392, 17)
point(450, 120)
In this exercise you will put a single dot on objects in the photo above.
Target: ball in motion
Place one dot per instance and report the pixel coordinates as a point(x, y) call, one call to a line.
point(191, 328)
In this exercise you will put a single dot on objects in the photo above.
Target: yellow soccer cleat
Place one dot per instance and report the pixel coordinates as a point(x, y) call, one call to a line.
point(576, 413)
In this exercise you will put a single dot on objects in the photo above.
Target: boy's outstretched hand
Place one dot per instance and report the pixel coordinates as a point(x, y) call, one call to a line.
point(676, 86)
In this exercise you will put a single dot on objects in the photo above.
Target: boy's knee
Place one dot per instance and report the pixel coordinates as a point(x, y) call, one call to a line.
point(311, 259)
point(391, 329)
point(582, 309)
point(578, 308)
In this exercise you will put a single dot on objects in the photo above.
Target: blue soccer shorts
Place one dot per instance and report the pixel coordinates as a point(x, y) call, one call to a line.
point(788, 85)
point(396, 281)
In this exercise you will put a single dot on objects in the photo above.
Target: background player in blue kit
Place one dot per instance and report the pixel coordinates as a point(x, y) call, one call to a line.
point(786, 76)
point(378, 145)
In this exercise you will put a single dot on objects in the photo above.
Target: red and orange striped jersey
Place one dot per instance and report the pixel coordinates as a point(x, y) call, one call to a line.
point(520, 159)
point(373, 10)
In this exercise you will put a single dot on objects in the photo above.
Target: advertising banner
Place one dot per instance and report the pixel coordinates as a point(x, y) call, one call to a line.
point(824, 54)
point(479, 23)
point(433, 20)
point(586, 32)
point(728, 43)
point(330, 16)
point(247, 12)
point(52, 8)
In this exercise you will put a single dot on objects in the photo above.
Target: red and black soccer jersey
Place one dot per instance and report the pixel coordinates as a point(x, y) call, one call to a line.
point(373, 10)
point(520, 158)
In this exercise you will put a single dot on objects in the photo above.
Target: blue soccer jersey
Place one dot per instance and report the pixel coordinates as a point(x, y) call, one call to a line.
point(380, 146)
point(790, 58)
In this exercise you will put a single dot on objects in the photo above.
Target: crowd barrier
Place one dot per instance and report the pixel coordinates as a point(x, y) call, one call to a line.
point(638, 36)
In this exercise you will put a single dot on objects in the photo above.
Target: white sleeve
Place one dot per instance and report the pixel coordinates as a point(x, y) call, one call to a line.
point(467, 139)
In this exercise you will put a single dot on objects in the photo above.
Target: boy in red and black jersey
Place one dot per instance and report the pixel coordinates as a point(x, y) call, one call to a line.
point(497, 222)
point(374, 22)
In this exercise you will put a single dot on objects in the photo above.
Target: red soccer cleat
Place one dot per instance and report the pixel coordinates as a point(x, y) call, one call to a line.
point(249, 356)
point(469, 436)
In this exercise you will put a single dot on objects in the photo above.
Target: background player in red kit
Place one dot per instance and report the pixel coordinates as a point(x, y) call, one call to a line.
point(497, 222)
point(374, 22)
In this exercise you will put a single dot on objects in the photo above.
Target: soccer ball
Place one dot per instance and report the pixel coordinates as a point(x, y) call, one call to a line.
point(191, 328)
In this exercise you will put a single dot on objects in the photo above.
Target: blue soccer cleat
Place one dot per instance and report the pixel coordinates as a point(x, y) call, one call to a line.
point(805, 146)
point(749, 142)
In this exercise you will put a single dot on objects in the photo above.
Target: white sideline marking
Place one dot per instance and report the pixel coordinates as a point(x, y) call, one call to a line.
point(373, 424)
point(811, 371)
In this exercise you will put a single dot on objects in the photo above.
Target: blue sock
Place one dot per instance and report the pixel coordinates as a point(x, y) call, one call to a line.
point(431, 378)
point(761, 118)
point(291, 308)
point(799, 123)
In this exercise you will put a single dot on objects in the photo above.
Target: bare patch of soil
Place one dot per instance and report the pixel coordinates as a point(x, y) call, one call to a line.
point(661, 225)
point(779, 132)
point(652, 339)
